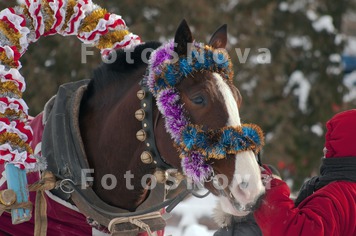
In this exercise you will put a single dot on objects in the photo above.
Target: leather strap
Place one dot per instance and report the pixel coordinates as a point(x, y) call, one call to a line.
point(62, 146)
point(61, 141)
point(148, 125)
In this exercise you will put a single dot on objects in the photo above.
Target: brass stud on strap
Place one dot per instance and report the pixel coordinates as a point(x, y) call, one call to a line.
point(140, 114)
point(141, 135)
point(146, 157)
point(7, 197)
point(141, 94)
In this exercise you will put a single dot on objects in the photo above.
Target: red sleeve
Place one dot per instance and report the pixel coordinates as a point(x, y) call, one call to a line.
point(318, 215)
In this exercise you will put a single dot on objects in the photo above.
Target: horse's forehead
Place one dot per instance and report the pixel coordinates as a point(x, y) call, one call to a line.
point(219, 89)
point(229, 100)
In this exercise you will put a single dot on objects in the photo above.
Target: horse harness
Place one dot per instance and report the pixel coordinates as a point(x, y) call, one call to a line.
point(63, 148)
point(146, 115)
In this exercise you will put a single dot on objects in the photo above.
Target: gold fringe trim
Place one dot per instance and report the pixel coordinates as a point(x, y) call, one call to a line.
point(49, 20)
point(108, 40)
point(28, 17)
point(259, 133)
point(12, 115)
point(90, 22)
point(10, 87)
point(213, 154)
point(226, 55)
point(4, 60)
point(15, 141)
point(11, 34)
point(208, 156)
point(69, 12)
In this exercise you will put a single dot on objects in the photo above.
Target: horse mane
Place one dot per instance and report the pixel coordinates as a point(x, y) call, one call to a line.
point(107, 73)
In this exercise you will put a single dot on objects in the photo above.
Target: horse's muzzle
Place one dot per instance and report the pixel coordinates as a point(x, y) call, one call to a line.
point(249, 207)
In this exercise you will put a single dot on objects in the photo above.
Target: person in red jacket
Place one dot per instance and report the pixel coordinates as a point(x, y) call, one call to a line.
point(326, 204)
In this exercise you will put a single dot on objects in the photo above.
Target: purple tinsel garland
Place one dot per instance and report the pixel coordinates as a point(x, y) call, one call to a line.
point(158, 58)
point(165, 72)
point(168, 103)
point(195, 167)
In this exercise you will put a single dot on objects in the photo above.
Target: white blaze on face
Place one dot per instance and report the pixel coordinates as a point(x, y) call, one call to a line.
point(246, 186)
point(231, 105)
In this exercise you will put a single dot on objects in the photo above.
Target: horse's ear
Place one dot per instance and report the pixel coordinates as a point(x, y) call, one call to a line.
point(182, 38)
point(219, 38)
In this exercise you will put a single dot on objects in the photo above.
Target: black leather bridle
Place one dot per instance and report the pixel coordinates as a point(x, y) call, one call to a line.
point(148, 125)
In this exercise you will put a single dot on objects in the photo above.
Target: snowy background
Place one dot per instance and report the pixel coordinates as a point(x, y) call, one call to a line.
point(192, 217)
point(350, 78)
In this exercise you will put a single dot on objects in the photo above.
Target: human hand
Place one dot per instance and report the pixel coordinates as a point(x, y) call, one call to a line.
point(266, 175)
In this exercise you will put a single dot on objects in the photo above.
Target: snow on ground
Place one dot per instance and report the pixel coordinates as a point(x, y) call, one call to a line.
point(189, 212)
point(192, 230)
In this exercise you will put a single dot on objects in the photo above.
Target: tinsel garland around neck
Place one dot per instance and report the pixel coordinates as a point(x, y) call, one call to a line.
point(195, 145)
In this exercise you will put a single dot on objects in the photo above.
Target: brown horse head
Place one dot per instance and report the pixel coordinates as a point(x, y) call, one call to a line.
point(213, 102)
point(196, 123)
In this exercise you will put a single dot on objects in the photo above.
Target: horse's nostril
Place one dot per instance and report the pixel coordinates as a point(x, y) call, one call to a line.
point(243, 185)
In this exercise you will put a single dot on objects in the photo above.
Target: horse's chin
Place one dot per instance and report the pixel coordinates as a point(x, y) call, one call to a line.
point(227, 209)
point(232, 207)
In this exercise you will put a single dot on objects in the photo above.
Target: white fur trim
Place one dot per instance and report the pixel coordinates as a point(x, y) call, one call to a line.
point(221, 218)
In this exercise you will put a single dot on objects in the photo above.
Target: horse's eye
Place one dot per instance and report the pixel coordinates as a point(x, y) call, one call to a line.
point(198, 100)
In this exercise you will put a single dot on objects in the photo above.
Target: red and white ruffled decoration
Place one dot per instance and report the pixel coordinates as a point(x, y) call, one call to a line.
point(25, 24)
